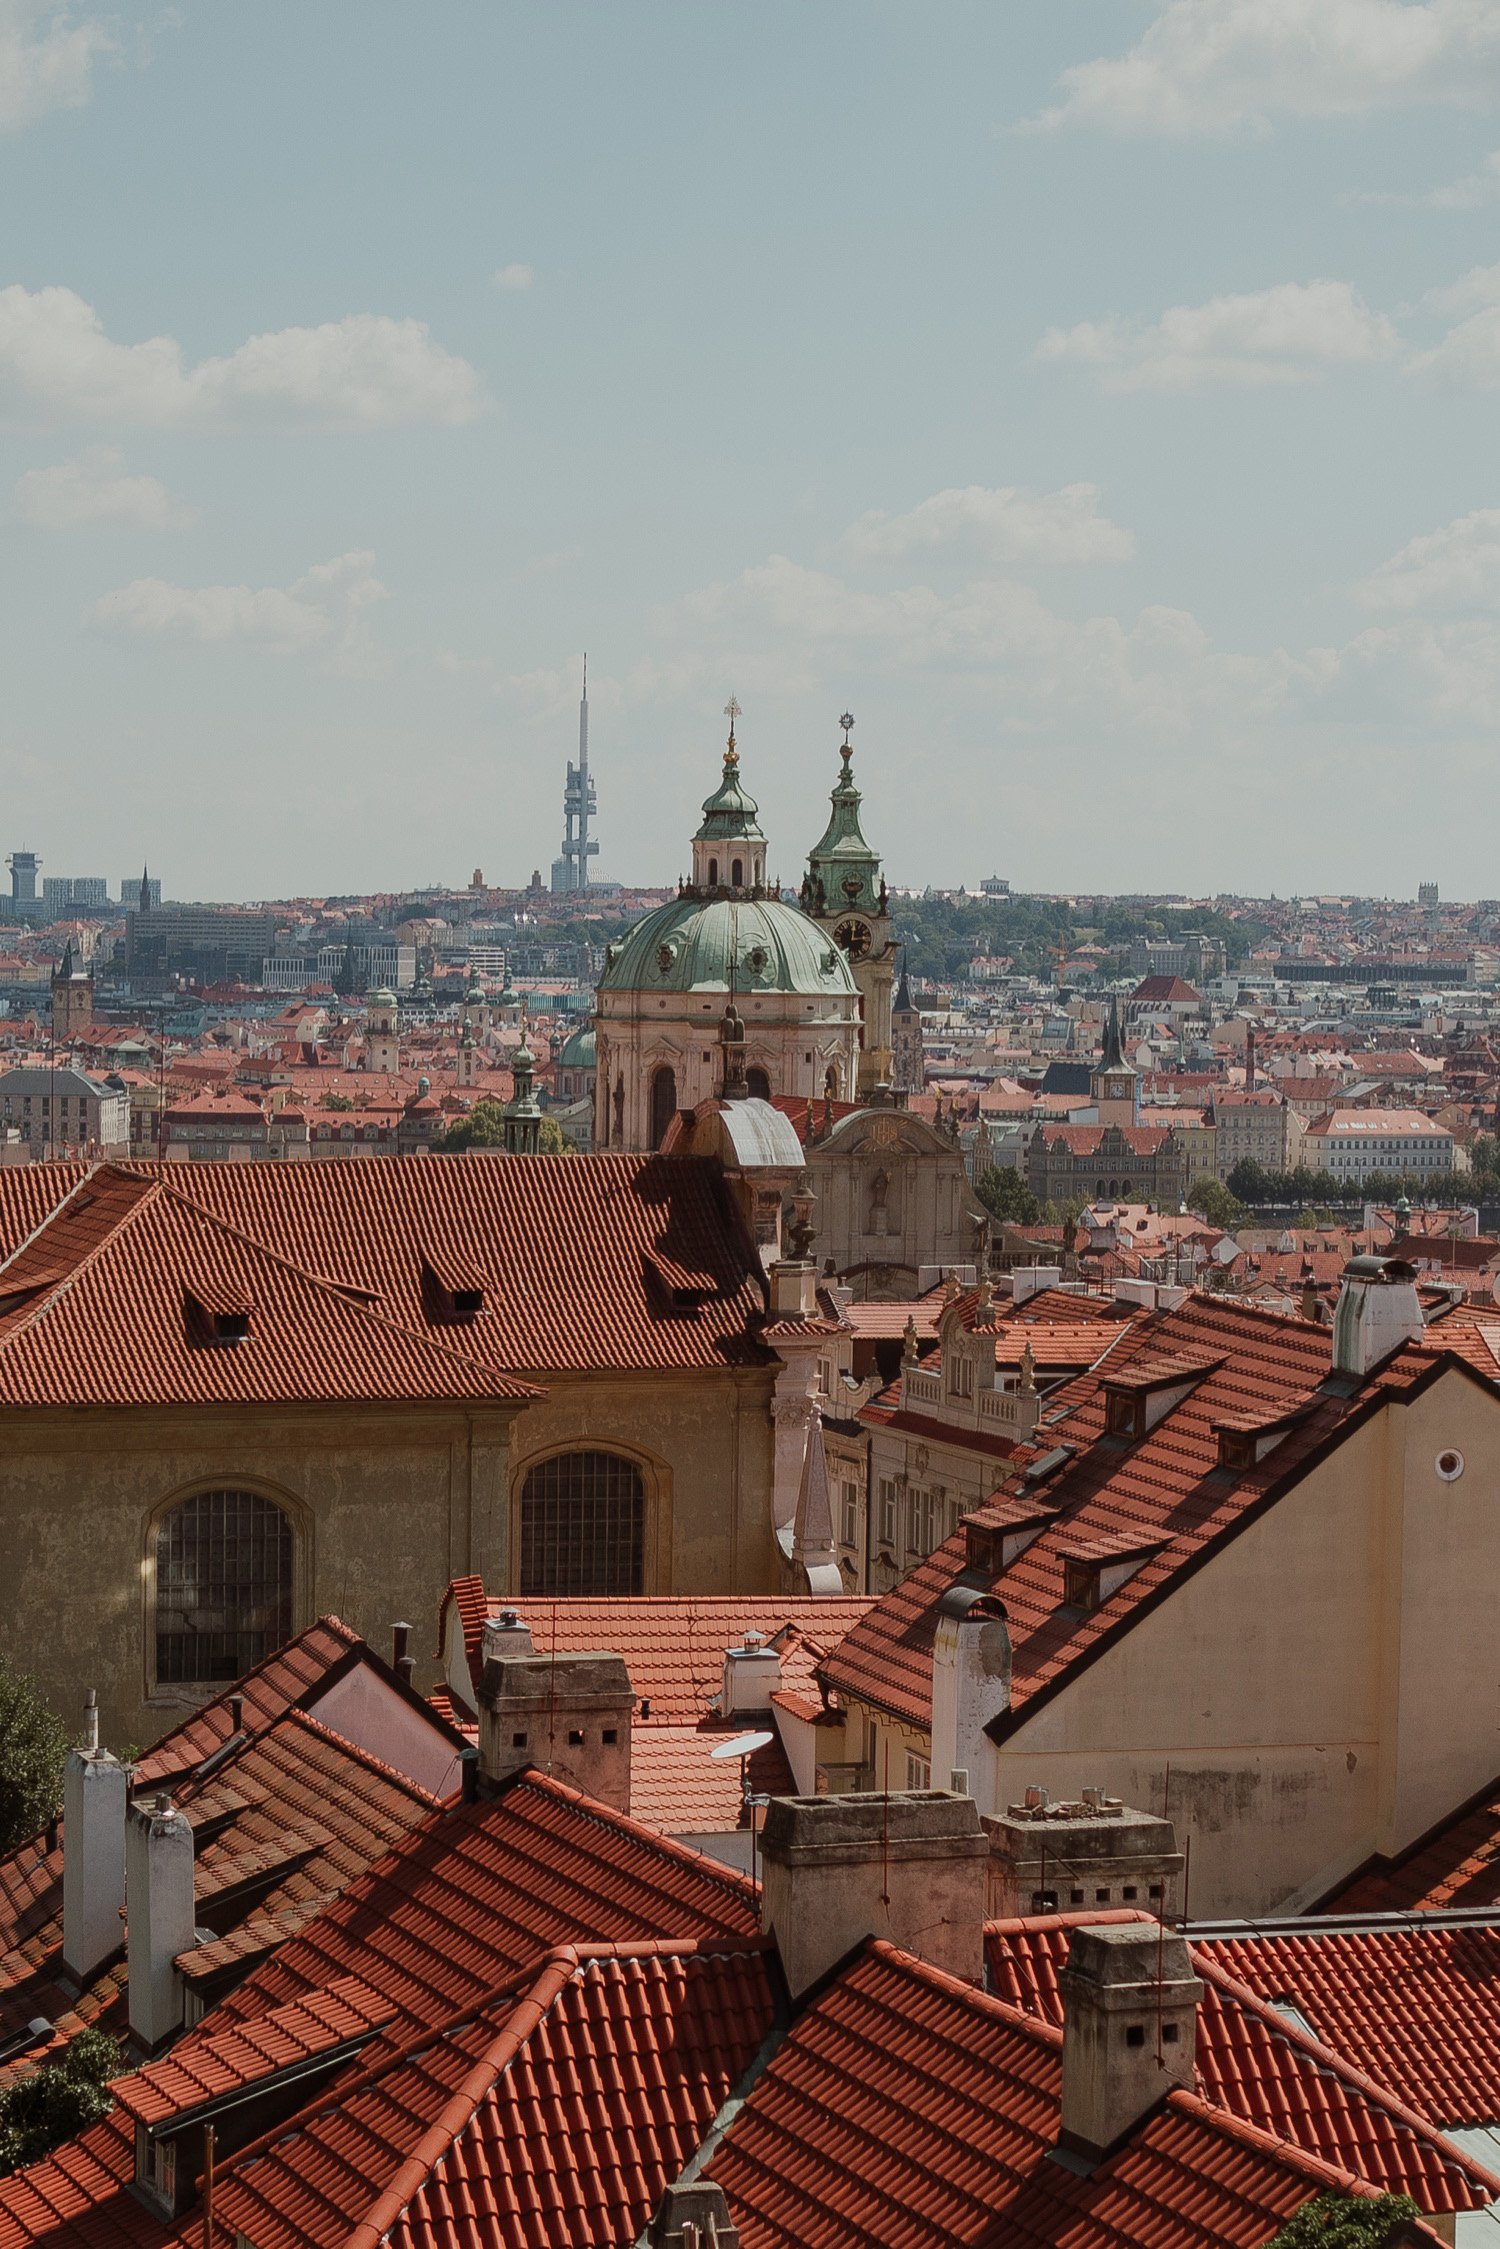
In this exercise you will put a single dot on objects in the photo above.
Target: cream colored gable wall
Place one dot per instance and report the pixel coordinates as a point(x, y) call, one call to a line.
point(1326, 1687)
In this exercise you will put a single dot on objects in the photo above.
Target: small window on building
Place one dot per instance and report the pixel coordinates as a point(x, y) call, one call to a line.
point(583, 1526)
point(1080, 1585)
point(961, 1377)
point(1124, 1415)
point(888, 1509)
point(918, 1771)
point(849, 1495)
point(223, 1586)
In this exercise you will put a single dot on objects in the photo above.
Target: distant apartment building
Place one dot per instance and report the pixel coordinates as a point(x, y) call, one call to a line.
point(1258, 1127)
point(130, 890)
point(1192, 956)
point(363, 965)
point(1351, 1144)
point(69, 894)
point(201, 944)
point(64, 1112)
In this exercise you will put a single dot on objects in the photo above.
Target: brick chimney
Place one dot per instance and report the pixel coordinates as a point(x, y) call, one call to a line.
point(1095, 1851)
point(159, 1888)
point(568, 1715)
point(1130, 2027)
point(838, 1869)
point(1378, 1310)
point(692, 2215)
point(94, 1791)
point(970, 1686)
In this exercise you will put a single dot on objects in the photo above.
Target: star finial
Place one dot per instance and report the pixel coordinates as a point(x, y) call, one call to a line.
point(732, 712)
point(846, 748)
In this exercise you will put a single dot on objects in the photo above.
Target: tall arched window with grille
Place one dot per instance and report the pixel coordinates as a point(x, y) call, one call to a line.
point(223, 1586)
point(583, 1526)
point(663, 1101)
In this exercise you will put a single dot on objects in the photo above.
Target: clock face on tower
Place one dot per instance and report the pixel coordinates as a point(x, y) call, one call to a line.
point(854, 937)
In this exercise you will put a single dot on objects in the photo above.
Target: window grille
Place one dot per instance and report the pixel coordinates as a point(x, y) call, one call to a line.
point(223, 1586)
point(583, 1527)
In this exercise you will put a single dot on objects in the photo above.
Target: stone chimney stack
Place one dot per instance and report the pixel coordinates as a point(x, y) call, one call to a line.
point(1378, 1310)
point(1130, 2027)
point(159, 1888)
point(94, 1790)
point(568, 1715)
point(838, 1869)
point(971, 1661)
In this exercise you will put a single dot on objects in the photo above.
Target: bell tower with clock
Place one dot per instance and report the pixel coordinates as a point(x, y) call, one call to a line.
point(844, 891)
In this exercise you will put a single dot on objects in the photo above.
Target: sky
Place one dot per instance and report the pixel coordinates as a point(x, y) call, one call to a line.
point(1099, 398)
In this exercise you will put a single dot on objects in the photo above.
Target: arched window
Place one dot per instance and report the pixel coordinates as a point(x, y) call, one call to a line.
point(759, 1084)
point(583, 1523)
point(663, 1102)
point(737, 872)
point(713, 874)
point(223, 1586)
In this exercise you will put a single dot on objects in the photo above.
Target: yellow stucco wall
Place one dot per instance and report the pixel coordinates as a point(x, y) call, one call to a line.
point(388, 1504)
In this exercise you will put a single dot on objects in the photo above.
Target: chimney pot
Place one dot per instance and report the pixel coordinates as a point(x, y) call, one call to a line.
point(400, 1643)
point(236, 1714)
point(1130, 2027)
point(159, 1886)
point(1377, 1311)
point(94, 1795)
point(564, 1714)
point(837, 1869)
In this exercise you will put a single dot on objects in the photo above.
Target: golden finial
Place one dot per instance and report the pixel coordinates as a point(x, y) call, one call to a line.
point(731, 712)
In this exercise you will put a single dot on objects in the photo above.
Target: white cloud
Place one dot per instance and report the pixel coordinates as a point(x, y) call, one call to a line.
point(47, 59)
point(1469, 355)
point(514, 277)
point(1214, 66)
point(363, 372)
point(1002, 524)
point(1291, 333)
point(325, 606)
point(92, 488)
point(1454, 569)
point(1466, 193)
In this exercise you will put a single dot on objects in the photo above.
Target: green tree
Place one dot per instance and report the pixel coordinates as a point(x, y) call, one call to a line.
point(54, 2102)
point(483, 1127)
point(1344, 2221)
point(33, 1750)
point(1005, 1195)
point(1250, 1182)
point(550, 1140)
point(1215, 1203)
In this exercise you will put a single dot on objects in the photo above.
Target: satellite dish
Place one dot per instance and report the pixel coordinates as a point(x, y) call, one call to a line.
point(743, 1745)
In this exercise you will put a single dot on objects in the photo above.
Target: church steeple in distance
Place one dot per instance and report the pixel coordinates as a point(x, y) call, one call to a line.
point(844, 889)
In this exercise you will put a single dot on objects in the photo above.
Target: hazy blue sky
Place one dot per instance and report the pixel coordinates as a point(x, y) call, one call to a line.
point(1100, 399)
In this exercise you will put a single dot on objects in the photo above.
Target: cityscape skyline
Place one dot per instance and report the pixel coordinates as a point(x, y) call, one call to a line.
point(1094, 406)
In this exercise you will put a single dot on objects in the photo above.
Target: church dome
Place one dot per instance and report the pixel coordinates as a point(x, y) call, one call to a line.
point(692, 944)
point(579, 1052)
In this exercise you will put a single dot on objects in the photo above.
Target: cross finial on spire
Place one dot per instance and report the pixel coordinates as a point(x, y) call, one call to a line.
point(732, 712)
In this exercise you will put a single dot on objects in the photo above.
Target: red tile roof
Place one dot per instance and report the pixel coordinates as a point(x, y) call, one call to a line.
point(906, 2110)
point(474, 1895)
point(106, 1305)
point(1263, 2069)
point(673, 1644)
point(1162, 1486)
point(1415, 2004)
point(567, 1244)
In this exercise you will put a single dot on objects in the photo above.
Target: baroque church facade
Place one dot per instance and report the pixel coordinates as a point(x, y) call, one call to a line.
point(811, 982)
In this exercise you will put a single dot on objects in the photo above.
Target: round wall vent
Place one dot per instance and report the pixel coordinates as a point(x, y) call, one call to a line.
point(1450, 1466)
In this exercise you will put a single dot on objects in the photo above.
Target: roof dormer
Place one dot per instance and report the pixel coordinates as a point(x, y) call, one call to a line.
point(1137, 1398)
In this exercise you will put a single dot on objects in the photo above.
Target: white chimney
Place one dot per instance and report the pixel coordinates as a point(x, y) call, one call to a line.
point(752, 1673)
point(1130, 2027)
point(159, 1892)
point(1027, 1281)
point(1378, 1310)
point(970, 1686)
point(94, 1790)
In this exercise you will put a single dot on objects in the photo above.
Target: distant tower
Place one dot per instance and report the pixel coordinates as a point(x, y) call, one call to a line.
point(143, 902)
point(72, 998)
point(1115, 1086)
point(523, 1112)
point(907, 1071)
point(845, 890)
point(382, 1037)
point(23, 894)
point(571, 870)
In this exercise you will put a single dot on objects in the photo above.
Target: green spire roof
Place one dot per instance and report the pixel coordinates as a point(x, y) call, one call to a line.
point(730, 813)
point(841, 862)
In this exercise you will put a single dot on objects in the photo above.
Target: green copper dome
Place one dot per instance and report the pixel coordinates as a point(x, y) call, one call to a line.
point(689, 945)
point(579, 1052)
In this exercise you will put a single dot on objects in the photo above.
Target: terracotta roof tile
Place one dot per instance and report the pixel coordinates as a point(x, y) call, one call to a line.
point(1263, 2069)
